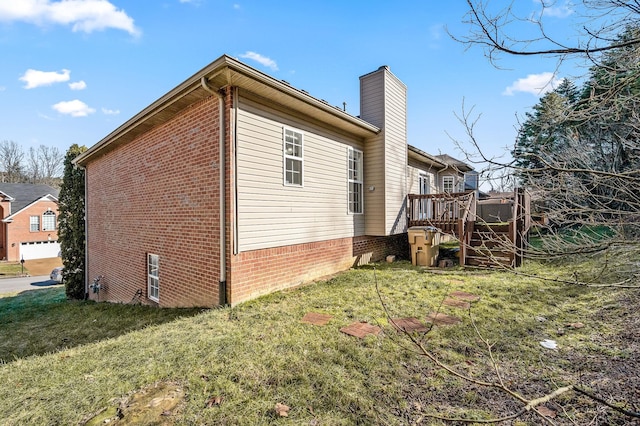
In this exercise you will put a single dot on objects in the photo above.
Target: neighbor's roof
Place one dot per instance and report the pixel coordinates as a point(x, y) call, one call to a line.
point(227, 71)
point(23, 194)
point(454, 162)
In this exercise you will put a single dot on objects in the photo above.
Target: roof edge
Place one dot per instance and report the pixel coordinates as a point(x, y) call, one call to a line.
point(193, 83)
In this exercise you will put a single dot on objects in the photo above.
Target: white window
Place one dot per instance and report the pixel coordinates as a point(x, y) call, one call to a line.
point(293, 159)
point(34, 223)
point(153, 277)
point(355, 181)
point(448, 184)
point(48, 221)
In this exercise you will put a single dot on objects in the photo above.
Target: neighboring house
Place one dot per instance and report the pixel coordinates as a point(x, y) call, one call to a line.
point(29, 221)
point(235, 184)
point(432, 174)
point(458, 176)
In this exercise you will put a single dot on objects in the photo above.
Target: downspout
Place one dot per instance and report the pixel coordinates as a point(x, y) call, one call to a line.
point(222, 285)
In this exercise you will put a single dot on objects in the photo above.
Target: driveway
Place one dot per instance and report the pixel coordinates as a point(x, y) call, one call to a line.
point(15, 285)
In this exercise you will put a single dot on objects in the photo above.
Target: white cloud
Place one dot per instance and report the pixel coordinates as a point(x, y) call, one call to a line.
point(262, 60)
point(236, 6)
point(82, 15)
point(73, 108)
point(78, 85)
point(107, 111)
point(536, 84)
point(35, 78)
point(555, 9)
point(435, 31)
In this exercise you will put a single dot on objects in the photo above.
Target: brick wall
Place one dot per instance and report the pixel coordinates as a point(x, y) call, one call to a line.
point(19, 230)
point(159, 194)
point(261, 272)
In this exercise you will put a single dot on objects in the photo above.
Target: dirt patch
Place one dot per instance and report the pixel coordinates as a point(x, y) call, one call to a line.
point(609, 370)
point(37, 267)
point(157, 404)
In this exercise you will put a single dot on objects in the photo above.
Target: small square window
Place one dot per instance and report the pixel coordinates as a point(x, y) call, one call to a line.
point(448, 184)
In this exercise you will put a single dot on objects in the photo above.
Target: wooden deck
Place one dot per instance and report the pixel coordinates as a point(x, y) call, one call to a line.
point(482, 243)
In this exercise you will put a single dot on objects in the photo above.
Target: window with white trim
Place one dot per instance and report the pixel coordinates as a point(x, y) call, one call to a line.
point(153, 277)
point(293, 158)
point(49, 221)
point(34, 223)
point(355, 181)
point(448, 184)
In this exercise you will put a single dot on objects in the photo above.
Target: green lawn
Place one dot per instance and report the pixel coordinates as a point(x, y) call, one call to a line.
point(66, 361)
point(11, 269)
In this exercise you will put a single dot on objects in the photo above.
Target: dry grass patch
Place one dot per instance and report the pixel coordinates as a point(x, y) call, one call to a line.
point(236, 364)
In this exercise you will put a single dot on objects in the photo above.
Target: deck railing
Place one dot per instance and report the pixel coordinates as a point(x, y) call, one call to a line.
point(442, 210)
point(453, 213)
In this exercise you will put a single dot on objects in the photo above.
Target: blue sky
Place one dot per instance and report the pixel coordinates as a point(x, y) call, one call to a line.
point(72, 71)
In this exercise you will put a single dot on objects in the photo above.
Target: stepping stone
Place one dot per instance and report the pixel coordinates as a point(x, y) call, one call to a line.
point(465, 296)
point(361, 329)
point(409, 325)
point(316, 318)
point(438, 318)
point(456, 303)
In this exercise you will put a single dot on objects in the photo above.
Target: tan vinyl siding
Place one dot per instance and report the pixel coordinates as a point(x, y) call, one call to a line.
point(383, 103)
point(372, 98)
point(395, 154)
point(271, 214)
point(414, 171)
point(374, 176)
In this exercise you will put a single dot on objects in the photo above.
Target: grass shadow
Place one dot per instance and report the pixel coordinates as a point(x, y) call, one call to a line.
point(44, 321)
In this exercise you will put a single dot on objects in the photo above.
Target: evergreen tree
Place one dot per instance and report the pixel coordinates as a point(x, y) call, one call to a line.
point(546, 130)
point(71, 225)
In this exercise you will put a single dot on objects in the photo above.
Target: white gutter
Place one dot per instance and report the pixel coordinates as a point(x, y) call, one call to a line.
point(222, 285)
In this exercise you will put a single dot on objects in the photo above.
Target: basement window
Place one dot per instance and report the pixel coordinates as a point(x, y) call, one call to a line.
point(293, 159)
point(153, 277)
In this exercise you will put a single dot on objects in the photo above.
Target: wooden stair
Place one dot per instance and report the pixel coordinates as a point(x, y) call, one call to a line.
point(490, 245)
point(481, 243)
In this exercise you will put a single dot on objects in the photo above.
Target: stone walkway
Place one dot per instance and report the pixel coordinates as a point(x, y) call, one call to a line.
point(456, 299)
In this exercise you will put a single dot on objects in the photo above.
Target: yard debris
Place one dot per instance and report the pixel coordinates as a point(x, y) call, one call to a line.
point(547, 412)
point(361, 330)
point(155, 404)
point(316, 318)
point(445, 263)
point(438, 318)
point(214, 400)
point(282, 410)
point(463, 295)
point(549, 344)
point(409, 325)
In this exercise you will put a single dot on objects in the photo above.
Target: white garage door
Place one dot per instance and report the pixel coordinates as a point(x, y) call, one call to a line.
point(39, 250)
